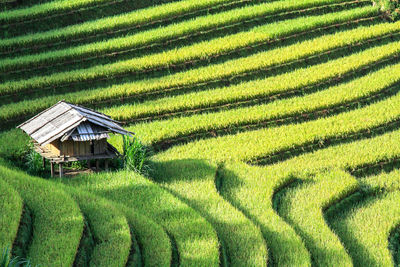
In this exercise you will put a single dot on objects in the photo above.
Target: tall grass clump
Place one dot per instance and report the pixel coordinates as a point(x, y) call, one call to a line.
point(34, 163)
point(135, 155)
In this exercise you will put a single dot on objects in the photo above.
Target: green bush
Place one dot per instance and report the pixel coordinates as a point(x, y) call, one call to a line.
point(391, 8)
point(135, 155)
point(34, 163)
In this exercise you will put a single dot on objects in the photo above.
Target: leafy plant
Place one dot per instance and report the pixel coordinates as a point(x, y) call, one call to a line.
point(34, 162)
point(78, 165)
point(7, 261)
point(135, 155)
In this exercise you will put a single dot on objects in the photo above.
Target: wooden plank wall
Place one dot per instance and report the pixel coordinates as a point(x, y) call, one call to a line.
point(71, 148)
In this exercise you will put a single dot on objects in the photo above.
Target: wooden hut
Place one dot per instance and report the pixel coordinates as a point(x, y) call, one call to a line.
point(67, 132)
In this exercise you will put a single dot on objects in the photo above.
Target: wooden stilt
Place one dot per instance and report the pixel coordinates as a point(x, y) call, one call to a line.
point(88, 164)
point(60, 166)
point(106, 164)
point(52, 168)
point(44, 163)
point(97, 165)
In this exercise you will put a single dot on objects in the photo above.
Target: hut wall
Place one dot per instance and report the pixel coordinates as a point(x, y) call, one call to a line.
point(53, 147)
point(71, 148)
point(100, 146)
point(82, 148)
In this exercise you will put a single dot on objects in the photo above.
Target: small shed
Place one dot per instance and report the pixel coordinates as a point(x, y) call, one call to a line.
point(66, 132)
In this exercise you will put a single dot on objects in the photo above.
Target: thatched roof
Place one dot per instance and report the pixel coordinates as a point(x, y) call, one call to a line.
point(65, 120)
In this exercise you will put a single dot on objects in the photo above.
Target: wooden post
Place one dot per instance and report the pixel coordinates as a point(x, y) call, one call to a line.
point(97, 165)
point(52, 168)
point(44, 163)
point(60, 166)
point(88, 164)
point(106, 164)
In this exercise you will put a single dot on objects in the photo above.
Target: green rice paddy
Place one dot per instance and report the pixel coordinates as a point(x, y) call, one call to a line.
point(273, 126)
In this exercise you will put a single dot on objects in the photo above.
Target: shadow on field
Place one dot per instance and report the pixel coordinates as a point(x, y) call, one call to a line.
point(181, 170)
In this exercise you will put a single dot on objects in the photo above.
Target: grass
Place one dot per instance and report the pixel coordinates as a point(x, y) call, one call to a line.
point(135, 155)
point(230, 94)
point(278, 84)
point(351, 92)
point(303, 207)
point(252, 145)
point(11, 211)
point(202, 49)
point(109, 227)
point(58, 221)
point(128, 66)
point(174, 30)
point(13, 150)
point(377, 149)
point(365, 226)
point(196, 240)
point(7, 261)
point(335, 96)
point(45, 9)
point(194, 182)
point(154, 244)
point(131, 18)
point(251, 188)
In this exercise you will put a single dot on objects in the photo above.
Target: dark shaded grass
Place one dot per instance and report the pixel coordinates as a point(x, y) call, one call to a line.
point(85, 249)
point(24, 236)
point(11, 208)
point(57, 224)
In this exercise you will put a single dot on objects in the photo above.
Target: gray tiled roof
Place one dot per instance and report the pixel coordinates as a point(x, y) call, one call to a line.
point(64, 118)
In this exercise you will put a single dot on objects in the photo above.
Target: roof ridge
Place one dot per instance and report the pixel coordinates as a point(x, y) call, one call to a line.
point(85, 108)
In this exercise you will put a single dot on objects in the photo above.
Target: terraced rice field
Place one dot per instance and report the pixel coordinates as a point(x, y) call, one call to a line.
point(274, 127)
